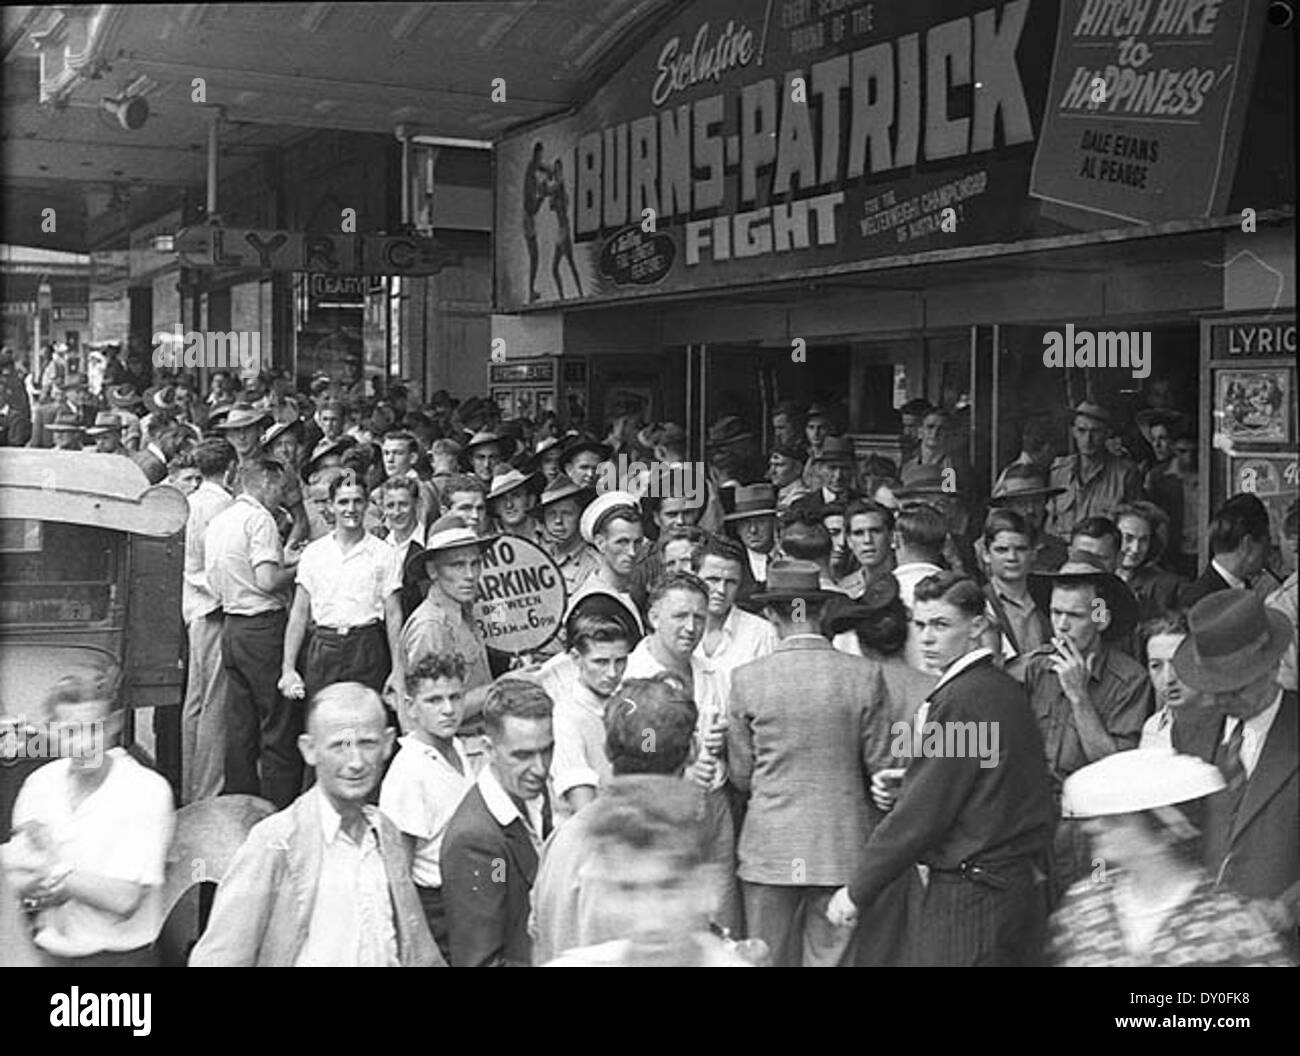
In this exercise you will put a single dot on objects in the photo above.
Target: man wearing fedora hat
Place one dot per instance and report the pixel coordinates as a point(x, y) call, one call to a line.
point(107, 434)
point(484, 452)
point(1250, 731)
point(1089, 697)
point(834, 465)
point(1093, 480)
point(66, 432)
point(799, 720)
point(753, 518)
point(125, 401)
point(63, 403)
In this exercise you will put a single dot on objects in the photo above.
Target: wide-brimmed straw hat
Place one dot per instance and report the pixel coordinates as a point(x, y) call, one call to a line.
point(1232, 639)
point(446, 533)
point(1138, 779)
point(562, 488)
point(508, 481)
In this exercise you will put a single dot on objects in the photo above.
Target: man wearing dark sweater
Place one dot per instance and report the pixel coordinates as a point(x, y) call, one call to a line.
point(973, 817)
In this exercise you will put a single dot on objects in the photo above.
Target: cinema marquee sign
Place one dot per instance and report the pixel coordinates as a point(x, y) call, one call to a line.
point(327, 254)
point(748, 140)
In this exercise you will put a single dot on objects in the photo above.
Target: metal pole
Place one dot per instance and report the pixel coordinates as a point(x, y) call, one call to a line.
point(704, 402)
point(406, 175)
point(690, 431)
point(214, 127)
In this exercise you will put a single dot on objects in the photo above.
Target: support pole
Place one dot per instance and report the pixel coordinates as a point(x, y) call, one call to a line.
point(214, 135)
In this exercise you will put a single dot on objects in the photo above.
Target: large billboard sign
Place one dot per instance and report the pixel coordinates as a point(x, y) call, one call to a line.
point(751, 140)
point(748, 140)
point(1145, 100)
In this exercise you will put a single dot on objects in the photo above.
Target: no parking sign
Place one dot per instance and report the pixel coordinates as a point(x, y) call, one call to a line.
point(521, 596)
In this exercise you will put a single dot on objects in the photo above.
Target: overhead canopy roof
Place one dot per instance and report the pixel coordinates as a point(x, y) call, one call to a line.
point(277, 70)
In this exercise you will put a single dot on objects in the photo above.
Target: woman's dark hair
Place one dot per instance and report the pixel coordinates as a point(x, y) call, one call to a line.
point(885, 630)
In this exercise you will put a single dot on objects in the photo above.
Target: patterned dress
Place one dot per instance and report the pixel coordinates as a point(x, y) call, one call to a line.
point(1210, 928)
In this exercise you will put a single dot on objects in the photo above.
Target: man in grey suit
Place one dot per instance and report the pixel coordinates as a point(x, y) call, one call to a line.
point(800, 731)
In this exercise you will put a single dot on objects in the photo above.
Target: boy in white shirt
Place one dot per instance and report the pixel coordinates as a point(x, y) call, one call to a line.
point(430, 775)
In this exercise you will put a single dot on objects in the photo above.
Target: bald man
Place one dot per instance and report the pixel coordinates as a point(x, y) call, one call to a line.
point(361, 908)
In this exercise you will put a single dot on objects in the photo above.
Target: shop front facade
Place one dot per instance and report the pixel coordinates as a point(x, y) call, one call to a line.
point(866, 204)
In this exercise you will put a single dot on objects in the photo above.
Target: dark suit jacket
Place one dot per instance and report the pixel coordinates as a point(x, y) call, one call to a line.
point(487, 877)
point(1209, 583)
point(1257, 853)
point(951, 808)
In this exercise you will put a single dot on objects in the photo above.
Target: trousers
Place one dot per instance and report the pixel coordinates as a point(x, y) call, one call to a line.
point(262, 727)
point(203, 718)
point(792, 921)
point(961, 923)
point(359, 656)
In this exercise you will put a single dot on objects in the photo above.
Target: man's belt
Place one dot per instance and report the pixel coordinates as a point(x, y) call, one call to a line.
point(997, 875)
point(332, 634)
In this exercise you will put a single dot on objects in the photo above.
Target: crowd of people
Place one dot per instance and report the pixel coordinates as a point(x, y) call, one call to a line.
point(806, 708)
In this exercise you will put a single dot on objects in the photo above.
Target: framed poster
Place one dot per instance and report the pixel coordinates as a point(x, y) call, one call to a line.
point(1253, 406)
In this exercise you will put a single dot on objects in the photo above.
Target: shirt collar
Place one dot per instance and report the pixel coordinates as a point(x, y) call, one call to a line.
point(497, 800)
point(1258, 725)
point(961, 663)
point(1234, 581)
point(331, 822)
point(409, 740)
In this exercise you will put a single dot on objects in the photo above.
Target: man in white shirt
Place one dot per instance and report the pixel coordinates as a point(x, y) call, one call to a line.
point(327, 881)
point(678, 612)
point(432, 772)
point(203, 729)
point(348, 588)
point(754, 517)
point(919, 534)
point(250, 573)
point(91, 837)
point(731, 636)
point(580, 681)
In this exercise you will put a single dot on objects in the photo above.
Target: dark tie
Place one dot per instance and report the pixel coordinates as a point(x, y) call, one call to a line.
point(546, 815)
point(1228, 757)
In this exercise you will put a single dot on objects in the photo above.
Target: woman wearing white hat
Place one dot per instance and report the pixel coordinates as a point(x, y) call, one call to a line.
point(1146, 904)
